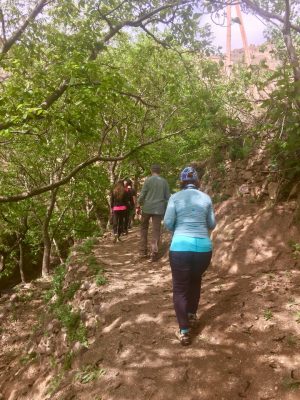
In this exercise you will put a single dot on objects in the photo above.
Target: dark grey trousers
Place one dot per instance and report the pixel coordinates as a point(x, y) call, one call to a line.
point(156, 227)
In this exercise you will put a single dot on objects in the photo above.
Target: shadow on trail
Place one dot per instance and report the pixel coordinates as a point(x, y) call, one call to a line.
point(241, 347)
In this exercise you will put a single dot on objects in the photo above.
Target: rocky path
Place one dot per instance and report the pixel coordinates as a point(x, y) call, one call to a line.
point(246, 345)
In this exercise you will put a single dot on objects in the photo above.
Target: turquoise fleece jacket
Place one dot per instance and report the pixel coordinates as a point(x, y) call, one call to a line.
point(190, 213)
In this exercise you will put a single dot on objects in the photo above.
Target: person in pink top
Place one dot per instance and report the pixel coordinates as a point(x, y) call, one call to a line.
point(119, 203)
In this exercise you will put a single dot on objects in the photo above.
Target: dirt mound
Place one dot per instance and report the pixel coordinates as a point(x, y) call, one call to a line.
point(254, 237)
point(246, 344)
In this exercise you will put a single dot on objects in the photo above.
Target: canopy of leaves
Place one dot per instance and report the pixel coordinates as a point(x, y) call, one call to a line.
point(95, 91)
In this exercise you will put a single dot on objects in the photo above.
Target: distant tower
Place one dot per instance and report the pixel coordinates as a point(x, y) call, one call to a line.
point(243, 35)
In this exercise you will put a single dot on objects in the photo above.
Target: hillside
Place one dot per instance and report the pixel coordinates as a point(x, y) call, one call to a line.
point(249, 316)
point(92, 94)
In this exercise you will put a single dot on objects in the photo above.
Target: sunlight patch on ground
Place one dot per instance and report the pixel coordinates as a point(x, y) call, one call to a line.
point(145, 318)
point(288, 362)
point(216, 339)
point(110, 327)
point(234, 269)
point(285, 319)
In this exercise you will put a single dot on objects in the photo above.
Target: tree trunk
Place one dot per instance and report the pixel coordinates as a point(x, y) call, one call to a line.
point(2, 262)
point(291, 50)
point(21, 261)
point(21, 234)
point(58, 251)
point(46, 252)
point(46, 236)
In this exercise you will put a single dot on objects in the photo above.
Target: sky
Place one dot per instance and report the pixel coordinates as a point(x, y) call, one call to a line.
point(253, 26)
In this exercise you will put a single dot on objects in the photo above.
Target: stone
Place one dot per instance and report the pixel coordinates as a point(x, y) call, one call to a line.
point(45, 346)
point(78, 347)
point(54, 326)
point(60, 349)
point(85, 286)
point(53, 299)
point(31, 350)
point(93, 290)
point(244, 189)
point(87, 305)
point(91, 322)
point(83, 269)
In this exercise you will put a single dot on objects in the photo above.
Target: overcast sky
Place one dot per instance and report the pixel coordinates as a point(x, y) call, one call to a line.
point(253, 26)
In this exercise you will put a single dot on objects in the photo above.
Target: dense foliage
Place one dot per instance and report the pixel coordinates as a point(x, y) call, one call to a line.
point(93, 91)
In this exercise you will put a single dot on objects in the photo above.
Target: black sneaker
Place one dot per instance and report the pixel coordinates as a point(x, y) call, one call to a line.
point(184, 338)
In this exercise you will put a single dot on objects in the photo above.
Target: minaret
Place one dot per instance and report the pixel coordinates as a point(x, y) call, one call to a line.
point(228, 43)
point(243, 35)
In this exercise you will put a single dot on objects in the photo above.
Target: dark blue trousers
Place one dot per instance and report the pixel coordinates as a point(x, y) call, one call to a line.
point(187, 270)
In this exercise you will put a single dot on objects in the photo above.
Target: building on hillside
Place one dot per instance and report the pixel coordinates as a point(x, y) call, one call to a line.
point(258, 54)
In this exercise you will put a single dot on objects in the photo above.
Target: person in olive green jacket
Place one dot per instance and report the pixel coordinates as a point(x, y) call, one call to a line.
point(154, 198)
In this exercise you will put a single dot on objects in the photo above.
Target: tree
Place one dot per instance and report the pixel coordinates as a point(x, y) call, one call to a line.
point(81, 89)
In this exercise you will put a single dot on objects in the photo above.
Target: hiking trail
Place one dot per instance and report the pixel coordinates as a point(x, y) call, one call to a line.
point(246, 344)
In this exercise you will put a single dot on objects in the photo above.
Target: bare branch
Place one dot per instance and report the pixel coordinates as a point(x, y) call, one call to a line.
point(53, 97)
point(105, 17)
point(268, 15)
point(2, 28)
point(85, 164)
point(135, 24)
point(16, 36)
point(162, 43)
point(116, 8)
point(138, 98)
point(292, 53)
point(47, 103)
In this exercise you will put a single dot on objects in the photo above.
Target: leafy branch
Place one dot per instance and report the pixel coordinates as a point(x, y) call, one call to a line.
point(85, 164)
point(8, 43)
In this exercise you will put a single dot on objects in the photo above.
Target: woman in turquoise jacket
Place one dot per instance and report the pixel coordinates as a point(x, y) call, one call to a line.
point(190, 217)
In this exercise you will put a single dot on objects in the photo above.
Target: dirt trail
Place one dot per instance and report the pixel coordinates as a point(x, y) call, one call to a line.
point(245, 346)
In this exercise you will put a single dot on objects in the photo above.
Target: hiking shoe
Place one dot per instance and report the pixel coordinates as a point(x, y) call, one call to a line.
point(184, 338)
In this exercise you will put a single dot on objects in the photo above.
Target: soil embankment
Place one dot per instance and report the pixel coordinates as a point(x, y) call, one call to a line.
point(245, 346)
